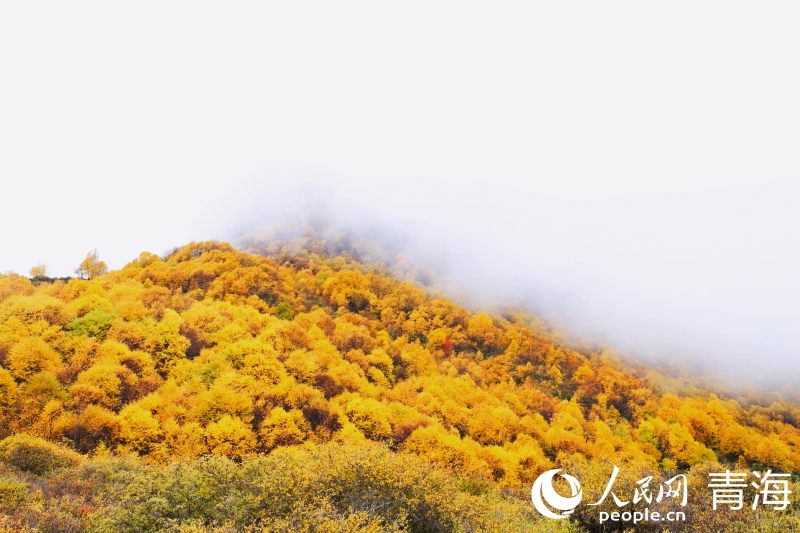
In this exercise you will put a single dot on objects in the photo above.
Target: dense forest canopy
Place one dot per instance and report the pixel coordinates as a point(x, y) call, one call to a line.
point(209, 351)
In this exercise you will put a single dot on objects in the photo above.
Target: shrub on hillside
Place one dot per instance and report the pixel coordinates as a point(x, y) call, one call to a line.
point(35, 455)
point(334, 487)
point(95, 323)
point(12, 494)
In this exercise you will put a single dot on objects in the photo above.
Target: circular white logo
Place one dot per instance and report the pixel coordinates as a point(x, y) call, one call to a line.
point(543, 489)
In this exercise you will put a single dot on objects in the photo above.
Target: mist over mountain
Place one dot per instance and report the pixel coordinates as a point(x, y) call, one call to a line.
point(630, 170)
point(701, 281)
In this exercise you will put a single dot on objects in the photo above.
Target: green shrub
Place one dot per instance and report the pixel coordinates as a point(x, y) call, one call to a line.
point(284, 311)
point(319, 518)
point(95, 323)
point(326, 488)
point(35, 455)
point(12, 494)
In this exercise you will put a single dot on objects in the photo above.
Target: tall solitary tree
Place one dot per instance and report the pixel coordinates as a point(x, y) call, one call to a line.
point(39, 272)
point(92, 267)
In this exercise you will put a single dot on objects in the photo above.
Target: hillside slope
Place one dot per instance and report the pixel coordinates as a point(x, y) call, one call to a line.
point(214, 351)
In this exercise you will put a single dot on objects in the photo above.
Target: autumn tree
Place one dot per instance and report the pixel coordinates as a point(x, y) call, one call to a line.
point(39, 272)
point(92, 267)
point(30, 356)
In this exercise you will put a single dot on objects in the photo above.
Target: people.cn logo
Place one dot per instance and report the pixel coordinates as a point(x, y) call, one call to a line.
point(543, 490)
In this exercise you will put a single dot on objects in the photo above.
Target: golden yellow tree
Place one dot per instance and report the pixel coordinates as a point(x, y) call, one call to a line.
point(30, 356)
point(230, 436)
point(139, 429)
point(39, 272)
point(280, 429)
point(92, 267)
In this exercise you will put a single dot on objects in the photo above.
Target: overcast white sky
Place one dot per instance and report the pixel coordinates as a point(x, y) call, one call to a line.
point(636, 164)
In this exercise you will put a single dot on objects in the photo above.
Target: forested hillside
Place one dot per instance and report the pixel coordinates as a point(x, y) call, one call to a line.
point(213, 352)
